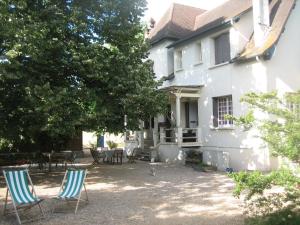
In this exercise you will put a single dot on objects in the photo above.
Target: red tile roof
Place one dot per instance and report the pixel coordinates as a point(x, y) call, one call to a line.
point(228, 10)
point(176, 23)
point(183, 23)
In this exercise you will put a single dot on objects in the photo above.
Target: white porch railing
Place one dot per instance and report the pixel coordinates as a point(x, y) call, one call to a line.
point(181, 136)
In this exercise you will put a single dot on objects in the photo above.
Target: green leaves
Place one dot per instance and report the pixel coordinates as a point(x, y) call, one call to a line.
point(278, 122)
point(68, 66)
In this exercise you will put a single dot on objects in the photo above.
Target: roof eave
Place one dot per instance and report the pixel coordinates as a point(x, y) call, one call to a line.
point(223, 25)
point(155, 42)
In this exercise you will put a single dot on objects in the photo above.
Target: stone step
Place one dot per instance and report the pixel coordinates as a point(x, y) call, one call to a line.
point(144, 156)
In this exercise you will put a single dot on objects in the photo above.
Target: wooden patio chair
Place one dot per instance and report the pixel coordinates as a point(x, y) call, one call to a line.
point(118, 155)
point(22, 198)
point(132, 155)
point(71, 187)
point(97, 156)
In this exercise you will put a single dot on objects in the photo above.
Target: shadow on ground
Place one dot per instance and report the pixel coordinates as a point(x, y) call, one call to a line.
point(128, 194)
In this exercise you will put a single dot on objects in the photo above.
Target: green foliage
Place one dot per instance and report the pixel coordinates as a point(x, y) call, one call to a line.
point(112, 144)
point(280, 130)
point(67, 66)
point(256, 182)
point(269, 209)
point(274, 210)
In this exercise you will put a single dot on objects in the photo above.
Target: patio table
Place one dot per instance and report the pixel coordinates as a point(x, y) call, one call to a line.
point(61, 157)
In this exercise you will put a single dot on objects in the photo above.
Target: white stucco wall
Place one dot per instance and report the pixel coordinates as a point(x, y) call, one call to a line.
point(281, 73)
point(159, 55)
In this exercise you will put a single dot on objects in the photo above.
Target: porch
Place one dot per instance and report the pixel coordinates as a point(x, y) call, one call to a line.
point(182, 125)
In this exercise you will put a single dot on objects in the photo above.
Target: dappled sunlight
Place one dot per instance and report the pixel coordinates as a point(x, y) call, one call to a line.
point(102, 186)
point(128, 194)
point(131, 188)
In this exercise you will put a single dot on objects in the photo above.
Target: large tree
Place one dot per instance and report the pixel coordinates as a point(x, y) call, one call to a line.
point(70, 65)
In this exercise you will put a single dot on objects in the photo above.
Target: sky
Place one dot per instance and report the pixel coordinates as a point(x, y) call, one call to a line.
point(156, 8)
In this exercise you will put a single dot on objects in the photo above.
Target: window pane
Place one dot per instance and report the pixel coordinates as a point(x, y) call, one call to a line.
point(224, 105)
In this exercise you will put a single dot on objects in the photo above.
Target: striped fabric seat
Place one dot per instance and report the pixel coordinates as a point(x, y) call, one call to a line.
point(74, 183)
point(17, 182)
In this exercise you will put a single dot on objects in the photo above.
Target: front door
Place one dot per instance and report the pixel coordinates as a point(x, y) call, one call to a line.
point(193, 114)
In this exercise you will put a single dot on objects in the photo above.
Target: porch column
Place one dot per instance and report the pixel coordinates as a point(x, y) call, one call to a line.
point(199, 132)
point(178, 111)
point(199, 108)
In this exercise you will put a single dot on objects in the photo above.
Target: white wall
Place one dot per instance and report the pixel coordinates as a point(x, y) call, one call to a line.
point(159, 54)
point(281, 73)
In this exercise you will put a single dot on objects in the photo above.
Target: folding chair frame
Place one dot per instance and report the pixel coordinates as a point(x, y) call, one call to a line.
point(132, 157)
point(21, 207)
point(73, 199)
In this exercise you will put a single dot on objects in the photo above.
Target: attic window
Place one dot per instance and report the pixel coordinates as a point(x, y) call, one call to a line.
point(222, 48)
point(178, 60)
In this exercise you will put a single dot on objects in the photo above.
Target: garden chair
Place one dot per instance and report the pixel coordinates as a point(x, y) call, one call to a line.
point(97, 156)
point(118, 155)
point(132, 155)
point(71, 187)
point(22, 198)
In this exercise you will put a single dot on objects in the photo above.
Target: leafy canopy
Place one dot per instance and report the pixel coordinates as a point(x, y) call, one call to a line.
point(72, 65)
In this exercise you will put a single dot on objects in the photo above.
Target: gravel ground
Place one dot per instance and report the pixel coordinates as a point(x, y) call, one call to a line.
point(129, 194)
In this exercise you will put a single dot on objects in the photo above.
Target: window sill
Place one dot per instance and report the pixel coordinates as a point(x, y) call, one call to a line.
point(222, 128)
point(178, 70)
point(218, 65)
point(198, 63)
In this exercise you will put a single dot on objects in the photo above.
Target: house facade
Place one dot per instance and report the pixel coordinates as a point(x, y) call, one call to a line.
point(208, 60)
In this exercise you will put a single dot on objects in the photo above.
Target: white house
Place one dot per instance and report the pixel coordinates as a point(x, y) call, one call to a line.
point(208, 61)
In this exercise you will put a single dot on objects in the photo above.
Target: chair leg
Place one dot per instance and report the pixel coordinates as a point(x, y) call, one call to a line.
point(17, 214)
point(87, 198)
point(5, 204)
point(77, 203)
point(41, 210)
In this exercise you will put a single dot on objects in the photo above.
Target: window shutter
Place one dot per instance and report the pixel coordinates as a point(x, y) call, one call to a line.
point(226, 47)
point(222, 49)
point(215, 112)
point(217, 51)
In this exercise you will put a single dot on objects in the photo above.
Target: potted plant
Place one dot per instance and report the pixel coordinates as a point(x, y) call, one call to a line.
point(112, 145)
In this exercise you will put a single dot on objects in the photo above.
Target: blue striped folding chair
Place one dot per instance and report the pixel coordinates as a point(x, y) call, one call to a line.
point(22, 198)
point(71, 187)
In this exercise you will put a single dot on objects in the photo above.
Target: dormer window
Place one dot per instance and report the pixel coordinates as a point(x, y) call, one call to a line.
point(222, 49)
point(178, 60)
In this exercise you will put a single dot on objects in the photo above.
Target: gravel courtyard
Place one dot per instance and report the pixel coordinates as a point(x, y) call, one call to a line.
point(129, 194)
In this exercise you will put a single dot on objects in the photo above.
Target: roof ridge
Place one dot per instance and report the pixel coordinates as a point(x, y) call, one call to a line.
point(179, 4)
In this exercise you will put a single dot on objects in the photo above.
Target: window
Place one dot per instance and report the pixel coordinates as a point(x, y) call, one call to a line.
point(198, 53)
point(222, 106)
point(292, 103)
point(170, 61)
point(222, 49)
point(178, 56)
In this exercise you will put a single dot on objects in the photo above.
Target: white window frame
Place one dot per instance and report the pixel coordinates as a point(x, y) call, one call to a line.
point(199, 53)
point(178, 59)
point(224, 106)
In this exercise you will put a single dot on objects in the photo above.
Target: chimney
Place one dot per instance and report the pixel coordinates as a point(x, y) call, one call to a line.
point(261, 21)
